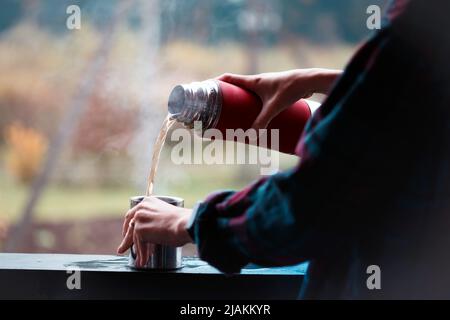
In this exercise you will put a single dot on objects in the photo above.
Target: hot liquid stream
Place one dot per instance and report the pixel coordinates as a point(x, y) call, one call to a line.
point(159, 144)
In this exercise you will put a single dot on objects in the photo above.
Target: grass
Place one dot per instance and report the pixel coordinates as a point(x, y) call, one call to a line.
point(59, 203)
point(64, 203)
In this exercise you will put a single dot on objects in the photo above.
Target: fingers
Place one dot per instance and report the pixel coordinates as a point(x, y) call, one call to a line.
point(251, 83)
point(138, 247)
point(144, 257)
point(127, 240)
point(243, 81)
point(129, 215)
point(266, 115)
point(148, 250)
point(143, 250)
point(261, 122)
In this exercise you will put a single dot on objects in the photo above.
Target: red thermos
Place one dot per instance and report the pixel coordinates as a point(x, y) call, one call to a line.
point(222, 106)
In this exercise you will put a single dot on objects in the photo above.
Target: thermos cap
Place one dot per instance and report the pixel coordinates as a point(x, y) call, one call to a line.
point(196, 101)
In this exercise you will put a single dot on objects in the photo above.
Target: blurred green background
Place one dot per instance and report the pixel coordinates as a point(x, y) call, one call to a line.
point(103, 91)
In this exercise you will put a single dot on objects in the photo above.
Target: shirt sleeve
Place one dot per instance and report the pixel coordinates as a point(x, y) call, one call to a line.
point(311, 210)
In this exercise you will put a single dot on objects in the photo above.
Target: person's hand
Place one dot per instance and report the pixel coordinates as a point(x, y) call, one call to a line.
point(153, 221)
point(280, 90)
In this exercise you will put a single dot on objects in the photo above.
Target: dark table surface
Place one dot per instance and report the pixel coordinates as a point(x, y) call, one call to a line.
point(45, 276)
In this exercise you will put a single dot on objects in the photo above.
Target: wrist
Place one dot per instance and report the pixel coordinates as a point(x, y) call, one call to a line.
point(182, 226)
point(321, 80)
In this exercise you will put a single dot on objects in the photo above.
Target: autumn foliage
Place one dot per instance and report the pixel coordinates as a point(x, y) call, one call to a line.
point(25, 150)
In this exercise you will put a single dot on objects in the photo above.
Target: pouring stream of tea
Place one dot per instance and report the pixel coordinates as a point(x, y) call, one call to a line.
point(159, 144)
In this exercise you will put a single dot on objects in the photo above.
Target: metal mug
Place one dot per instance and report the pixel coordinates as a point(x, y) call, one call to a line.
point(163, 257)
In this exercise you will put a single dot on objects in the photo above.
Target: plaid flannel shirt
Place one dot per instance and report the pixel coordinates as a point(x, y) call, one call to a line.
point(372, 186)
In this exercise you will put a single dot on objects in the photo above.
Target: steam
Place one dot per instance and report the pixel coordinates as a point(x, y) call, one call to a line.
point(151, 109)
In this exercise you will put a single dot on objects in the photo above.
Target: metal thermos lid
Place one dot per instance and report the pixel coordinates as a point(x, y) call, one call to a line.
point(196, 101)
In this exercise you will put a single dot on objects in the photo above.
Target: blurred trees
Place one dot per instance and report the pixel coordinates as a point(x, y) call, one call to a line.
point(42, 61)
point(71, 118)
point(158, 43)
point(104, 124)
point(207, 21)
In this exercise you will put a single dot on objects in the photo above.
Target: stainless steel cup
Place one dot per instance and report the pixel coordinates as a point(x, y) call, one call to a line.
point(163, 257)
